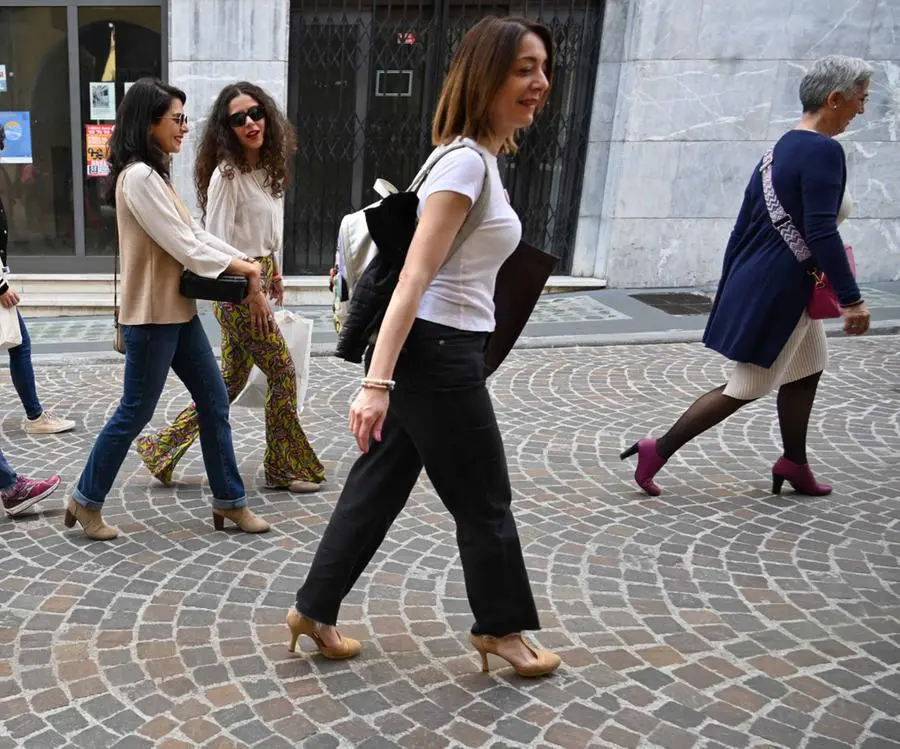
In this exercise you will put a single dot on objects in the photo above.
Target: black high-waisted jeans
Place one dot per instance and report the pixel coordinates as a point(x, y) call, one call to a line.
point(440, 417)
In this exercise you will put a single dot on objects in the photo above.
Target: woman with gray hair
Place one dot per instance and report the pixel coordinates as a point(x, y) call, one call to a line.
point(786, 235)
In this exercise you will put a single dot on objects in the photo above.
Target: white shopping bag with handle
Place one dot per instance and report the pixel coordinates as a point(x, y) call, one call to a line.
point(10, 331)
point(297, 332)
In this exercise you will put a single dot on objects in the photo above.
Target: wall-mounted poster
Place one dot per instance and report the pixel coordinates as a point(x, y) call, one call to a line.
point(17, 126)
point(2, 78)
point(103, 100)
point(96, 139)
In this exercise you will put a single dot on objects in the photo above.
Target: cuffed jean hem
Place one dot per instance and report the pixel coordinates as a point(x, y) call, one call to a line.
point(230, 504)
point(218, 504)
point(88, 504)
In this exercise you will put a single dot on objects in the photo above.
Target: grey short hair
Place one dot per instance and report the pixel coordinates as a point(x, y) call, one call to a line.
point(829, 74)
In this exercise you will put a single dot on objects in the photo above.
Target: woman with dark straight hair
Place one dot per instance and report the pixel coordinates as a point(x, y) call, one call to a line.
point(423, 401)
point(161, 330)
point(241, 173)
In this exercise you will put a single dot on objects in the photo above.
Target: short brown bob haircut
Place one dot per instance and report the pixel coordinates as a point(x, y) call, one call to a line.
point(480, 67)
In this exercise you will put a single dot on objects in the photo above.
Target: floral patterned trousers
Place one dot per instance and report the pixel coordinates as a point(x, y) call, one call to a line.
point(289, 456)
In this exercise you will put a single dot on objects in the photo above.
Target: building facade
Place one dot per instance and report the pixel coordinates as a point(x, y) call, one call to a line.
point(633, 174)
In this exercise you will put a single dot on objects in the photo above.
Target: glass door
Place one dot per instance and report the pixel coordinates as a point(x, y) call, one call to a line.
point(64, 67)
point(116, 46)
point(36, 163)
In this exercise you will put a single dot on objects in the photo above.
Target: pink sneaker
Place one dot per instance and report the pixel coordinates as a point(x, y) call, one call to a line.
point(26, 493)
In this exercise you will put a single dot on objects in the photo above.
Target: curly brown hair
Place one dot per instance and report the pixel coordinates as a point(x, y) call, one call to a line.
point(219, 144)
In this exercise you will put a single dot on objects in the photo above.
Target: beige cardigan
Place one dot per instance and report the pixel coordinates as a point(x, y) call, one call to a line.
point(158, 239)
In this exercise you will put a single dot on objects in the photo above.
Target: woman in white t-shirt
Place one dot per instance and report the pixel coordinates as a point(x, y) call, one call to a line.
point(438, 414)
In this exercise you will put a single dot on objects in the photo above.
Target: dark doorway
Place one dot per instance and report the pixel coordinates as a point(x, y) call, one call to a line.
point(364, 77)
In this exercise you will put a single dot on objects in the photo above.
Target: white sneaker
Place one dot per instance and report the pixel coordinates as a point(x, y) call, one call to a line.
point(46, 423)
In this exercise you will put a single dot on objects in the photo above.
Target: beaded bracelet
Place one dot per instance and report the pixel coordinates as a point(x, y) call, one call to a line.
point(376, 384)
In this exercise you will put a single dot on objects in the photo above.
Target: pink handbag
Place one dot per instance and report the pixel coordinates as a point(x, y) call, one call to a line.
point(823, 302)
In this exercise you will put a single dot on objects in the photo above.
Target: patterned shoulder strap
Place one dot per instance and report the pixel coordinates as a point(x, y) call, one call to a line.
point(780, 218)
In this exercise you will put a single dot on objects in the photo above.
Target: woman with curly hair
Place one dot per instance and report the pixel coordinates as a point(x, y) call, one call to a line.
point(240, 175)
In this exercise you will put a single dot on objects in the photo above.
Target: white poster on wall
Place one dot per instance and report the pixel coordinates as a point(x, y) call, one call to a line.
point(2, 78)
point(103, 101)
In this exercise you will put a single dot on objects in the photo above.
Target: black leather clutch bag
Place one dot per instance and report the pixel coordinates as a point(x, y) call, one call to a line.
point(222, 289)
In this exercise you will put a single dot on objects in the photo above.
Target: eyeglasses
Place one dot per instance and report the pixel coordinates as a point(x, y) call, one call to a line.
point(238, 119)
point(179, 119)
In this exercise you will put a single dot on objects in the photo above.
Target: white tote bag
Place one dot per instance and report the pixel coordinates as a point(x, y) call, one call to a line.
point(10, 332)
point(297, 332)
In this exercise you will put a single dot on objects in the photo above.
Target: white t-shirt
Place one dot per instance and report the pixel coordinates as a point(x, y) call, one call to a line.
point(462, 293)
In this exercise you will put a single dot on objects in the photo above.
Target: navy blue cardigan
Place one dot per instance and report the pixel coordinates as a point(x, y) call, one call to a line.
point(764, 290)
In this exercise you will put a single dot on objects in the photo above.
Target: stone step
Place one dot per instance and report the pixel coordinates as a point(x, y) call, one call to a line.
point(59, 295)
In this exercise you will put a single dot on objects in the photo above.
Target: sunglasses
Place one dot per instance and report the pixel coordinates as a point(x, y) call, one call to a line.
point(238, 119)
point(179, 119)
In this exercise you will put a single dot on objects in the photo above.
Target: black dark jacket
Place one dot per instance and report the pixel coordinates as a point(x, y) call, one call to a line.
point(392, 224)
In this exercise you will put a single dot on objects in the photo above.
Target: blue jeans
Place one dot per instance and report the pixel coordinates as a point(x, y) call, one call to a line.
point(7, 474)
point(22, 374)
point(150, 350)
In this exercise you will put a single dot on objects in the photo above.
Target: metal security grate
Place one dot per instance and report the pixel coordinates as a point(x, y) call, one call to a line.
point(677, 302)
point(364, 78)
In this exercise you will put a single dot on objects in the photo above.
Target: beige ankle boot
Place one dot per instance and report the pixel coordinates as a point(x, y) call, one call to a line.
point(242, 517)
point(91, 521)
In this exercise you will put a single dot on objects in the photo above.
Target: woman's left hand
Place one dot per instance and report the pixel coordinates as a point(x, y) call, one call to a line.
point(276, 291)
point(367, 414)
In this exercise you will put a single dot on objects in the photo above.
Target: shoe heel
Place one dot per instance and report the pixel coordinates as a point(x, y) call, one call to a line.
point(629, 452)
point(218, 522)
point(292, 647)
point(485, 668)
point(69, 519)
point(777, 483)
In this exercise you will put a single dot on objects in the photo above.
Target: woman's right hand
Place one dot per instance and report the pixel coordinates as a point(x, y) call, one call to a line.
point(260, 313)
point(9, 298)
point(856, 319)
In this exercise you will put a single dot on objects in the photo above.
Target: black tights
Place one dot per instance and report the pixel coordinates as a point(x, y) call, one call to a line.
point(795, 400)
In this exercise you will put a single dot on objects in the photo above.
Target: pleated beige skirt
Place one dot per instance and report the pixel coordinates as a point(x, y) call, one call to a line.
point(804, 354)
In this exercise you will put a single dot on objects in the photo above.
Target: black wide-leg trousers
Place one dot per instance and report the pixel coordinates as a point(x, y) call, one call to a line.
point(440, 418)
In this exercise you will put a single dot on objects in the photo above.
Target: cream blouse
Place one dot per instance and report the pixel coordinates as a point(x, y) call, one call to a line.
point(242, 212)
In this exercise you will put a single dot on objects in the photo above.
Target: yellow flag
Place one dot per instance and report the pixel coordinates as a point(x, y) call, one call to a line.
point(109, 72)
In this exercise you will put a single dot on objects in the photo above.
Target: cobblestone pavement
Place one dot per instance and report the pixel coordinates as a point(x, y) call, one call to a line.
point(714, 616)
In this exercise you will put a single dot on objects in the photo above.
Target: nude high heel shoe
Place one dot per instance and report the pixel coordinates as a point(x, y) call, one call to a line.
point(545, 663)
point(300, 625)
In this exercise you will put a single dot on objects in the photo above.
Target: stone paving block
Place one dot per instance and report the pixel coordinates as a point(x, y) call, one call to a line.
point(45, 740)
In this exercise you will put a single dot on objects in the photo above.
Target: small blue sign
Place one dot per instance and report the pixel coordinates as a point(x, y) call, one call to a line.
point(17, 126)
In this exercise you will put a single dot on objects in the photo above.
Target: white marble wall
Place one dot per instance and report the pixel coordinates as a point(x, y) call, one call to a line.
point(689, 95)
point(216, 42)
